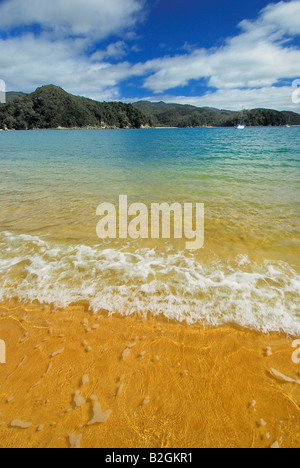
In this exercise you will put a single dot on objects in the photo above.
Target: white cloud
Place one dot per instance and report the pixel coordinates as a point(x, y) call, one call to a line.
point(115, 50)
point(59, 52)
point(280, 18)
point(278, 98)
point(246, 70)
point(27, 63)
point(93, 18)
point(259, 56)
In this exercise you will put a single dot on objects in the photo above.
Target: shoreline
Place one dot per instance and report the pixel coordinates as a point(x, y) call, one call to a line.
point(167, 384)
point(129, 128)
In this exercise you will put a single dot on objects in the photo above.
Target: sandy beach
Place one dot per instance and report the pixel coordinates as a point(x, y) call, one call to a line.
point(77, 379)
point(142, 343)
point(149, 226)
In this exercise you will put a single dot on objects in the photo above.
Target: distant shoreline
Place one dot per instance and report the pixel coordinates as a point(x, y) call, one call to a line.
point(141, 128)
point(73, 112)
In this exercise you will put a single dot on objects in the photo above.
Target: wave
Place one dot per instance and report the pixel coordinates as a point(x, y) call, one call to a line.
point(262, 296)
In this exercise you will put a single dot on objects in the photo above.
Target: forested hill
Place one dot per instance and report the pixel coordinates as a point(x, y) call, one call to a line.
point(52, 107)
point(177, 115)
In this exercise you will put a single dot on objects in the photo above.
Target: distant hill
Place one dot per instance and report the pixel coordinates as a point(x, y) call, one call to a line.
point(11, 95)
point(177, 115)
point(52, 107)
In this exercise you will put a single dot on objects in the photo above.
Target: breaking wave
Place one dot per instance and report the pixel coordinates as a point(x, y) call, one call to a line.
point(261, 296)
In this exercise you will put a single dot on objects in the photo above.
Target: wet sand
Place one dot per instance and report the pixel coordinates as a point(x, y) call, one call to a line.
point(75, 379)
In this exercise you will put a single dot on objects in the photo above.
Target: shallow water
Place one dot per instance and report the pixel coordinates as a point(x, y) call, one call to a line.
point(248, 271)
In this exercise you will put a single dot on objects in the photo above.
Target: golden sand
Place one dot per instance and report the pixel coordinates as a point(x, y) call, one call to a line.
point(75, 379)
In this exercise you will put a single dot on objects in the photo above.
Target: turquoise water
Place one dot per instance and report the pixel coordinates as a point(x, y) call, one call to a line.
point(248, 272)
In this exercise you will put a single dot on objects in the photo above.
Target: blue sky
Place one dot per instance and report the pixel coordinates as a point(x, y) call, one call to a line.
point(224, 54)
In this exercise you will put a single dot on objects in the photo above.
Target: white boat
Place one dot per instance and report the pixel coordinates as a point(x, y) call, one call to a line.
point(288, 125)
point(241, 125)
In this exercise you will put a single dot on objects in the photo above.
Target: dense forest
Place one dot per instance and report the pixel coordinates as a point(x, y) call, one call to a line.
point(176, 115)
point(52, 107)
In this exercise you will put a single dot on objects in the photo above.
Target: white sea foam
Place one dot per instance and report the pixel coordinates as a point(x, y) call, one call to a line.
point(260, 296)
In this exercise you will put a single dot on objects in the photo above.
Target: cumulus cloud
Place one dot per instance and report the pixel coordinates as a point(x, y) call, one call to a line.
point(53, 44)
point(116, 50)
point(276, 19)
point(82, 45)
point(93, 18)
point(274, 97)
point(259, 56)
point(27, 63)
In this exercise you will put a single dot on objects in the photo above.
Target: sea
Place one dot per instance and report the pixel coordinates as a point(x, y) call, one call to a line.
point(246, 274)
